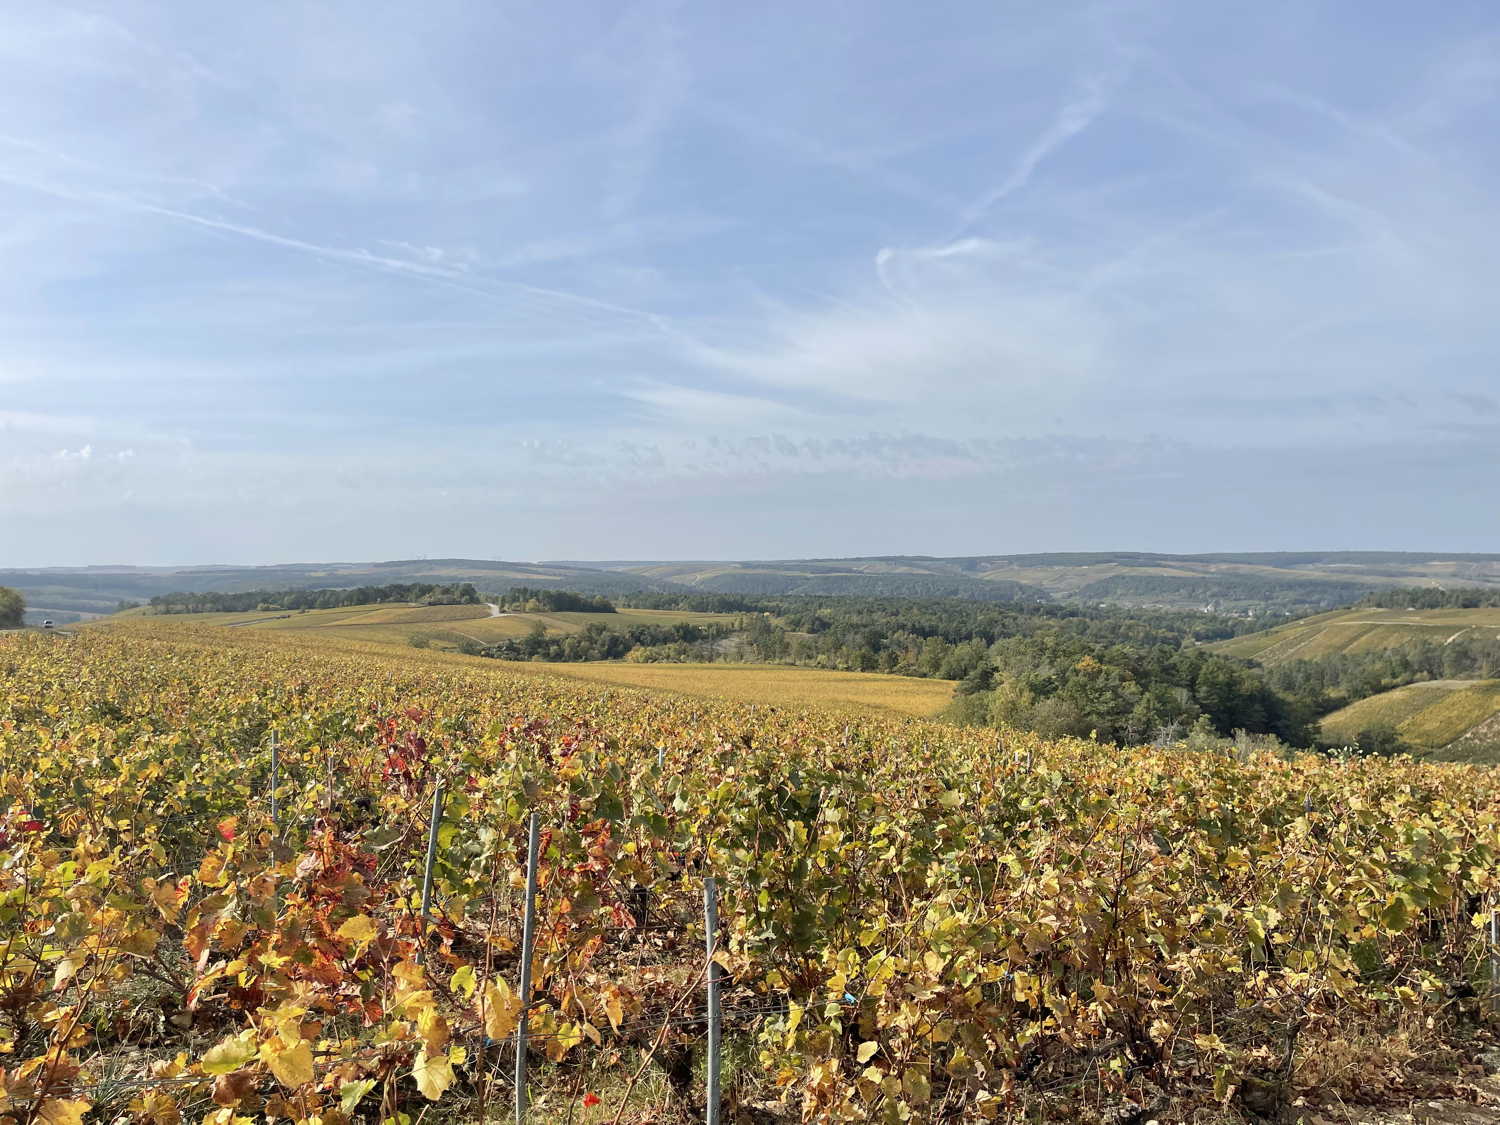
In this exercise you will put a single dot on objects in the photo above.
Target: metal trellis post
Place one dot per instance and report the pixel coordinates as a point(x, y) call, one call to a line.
point(432, 843)
point(715, 981)
point(528, 934)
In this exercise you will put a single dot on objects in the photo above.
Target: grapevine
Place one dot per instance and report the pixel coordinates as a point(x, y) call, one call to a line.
point(917, 924)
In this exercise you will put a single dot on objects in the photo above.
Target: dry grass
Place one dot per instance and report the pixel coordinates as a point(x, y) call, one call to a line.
point(416, 615)
point(1428, 716)
point(1454, 716)
point(1358, 630)
point(773, 684)
point(748, 683)
point(446, 625)
point(1389, 708)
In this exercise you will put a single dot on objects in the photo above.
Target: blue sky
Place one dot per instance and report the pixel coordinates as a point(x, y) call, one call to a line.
point(342, 281)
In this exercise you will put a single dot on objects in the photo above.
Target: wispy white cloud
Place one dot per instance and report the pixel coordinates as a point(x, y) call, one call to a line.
point(605, 266)
point(19, 422)
point(433, 270)
point(1082, 108)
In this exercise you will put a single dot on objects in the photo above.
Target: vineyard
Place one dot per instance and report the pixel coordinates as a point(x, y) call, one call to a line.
point(915, 923)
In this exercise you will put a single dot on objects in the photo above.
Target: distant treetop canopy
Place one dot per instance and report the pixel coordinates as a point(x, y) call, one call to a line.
point(12, 608)
point(1423, 597)
point(423, 593)
point(528, 599)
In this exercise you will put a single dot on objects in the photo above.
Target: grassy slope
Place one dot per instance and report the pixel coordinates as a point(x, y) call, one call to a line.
point(773, 684)
point(442, 625)
point(1439, 717)
point(1358, 630)
point(747, 683)
point(1451, 715)
point(1063, 574)
point(345, 629)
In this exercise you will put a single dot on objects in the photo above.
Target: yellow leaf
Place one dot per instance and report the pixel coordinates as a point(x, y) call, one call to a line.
point(613, 1009)
point(230, 1055)
point(360, 930)
point(62, 1111)
point(410, 974)
point(866, 1052)
point(292, 1066)
point(66, 969)
point(568, 1036)
point(502, 1009)
point(432, 1028)
point(463, 981)
point(434, 1074)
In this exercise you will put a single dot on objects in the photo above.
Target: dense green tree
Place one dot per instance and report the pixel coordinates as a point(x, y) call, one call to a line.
point(422, 593)
point(531, 600)
point(12, 608)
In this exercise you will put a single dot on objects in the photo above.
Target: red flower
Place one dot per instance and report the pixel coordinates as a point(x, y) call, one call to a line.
point(590, 1100)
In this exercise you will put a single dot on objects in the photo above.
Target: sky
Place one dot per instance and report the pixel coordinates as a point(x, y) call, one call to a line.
point(346, 281)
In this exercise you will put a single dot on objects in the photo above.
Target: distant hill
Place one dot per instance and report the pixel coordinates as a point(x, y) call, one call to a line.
point(99, 589)
point(1259, 582)
point(1362, 629)
point(1293, 582)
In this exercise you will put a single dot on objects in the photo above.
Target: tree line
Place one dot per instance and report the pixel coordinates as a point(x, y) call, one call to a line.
point(1421, 597)
point(597, 641)
point(1125, 675)
point(422, 593)
point(531, 599)
point(1330, 682)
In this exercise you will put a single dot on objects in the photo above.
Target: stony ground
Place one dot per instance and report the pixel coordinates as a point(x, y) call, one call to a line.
point(1479, 1104)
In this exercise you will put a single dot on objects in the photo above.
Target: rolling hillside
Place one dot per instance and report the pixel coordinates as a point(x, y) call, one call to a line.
point(1244, 583)
point(441, 626)
point(1453, 719)
point(772, 684)
point(99, 589)
point(1253, 582)
point(382, 629)
point(1363, 629)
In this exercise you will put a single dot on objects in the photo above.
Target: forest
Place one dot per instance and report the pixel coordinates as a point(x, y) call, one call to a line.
point(533, 599)
point(1462, 597)
point(250, 601)
point(597, 641)
point(1123, 675)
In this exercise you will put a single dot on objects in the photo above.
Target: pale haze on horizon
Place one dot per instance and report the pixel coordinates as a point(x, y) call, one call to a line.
point(662, 280)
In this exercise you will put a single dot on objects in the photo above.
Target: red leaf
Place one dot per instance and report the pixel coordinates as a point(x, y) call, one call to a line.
point(31, 826)
point(590, 1100)
point(228, 827)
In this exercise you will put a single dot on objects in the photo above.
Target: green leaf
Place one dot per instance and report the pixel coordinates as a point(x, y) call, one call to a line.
point(351, 1093)
point(1395, 916)
point(230, 1055)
